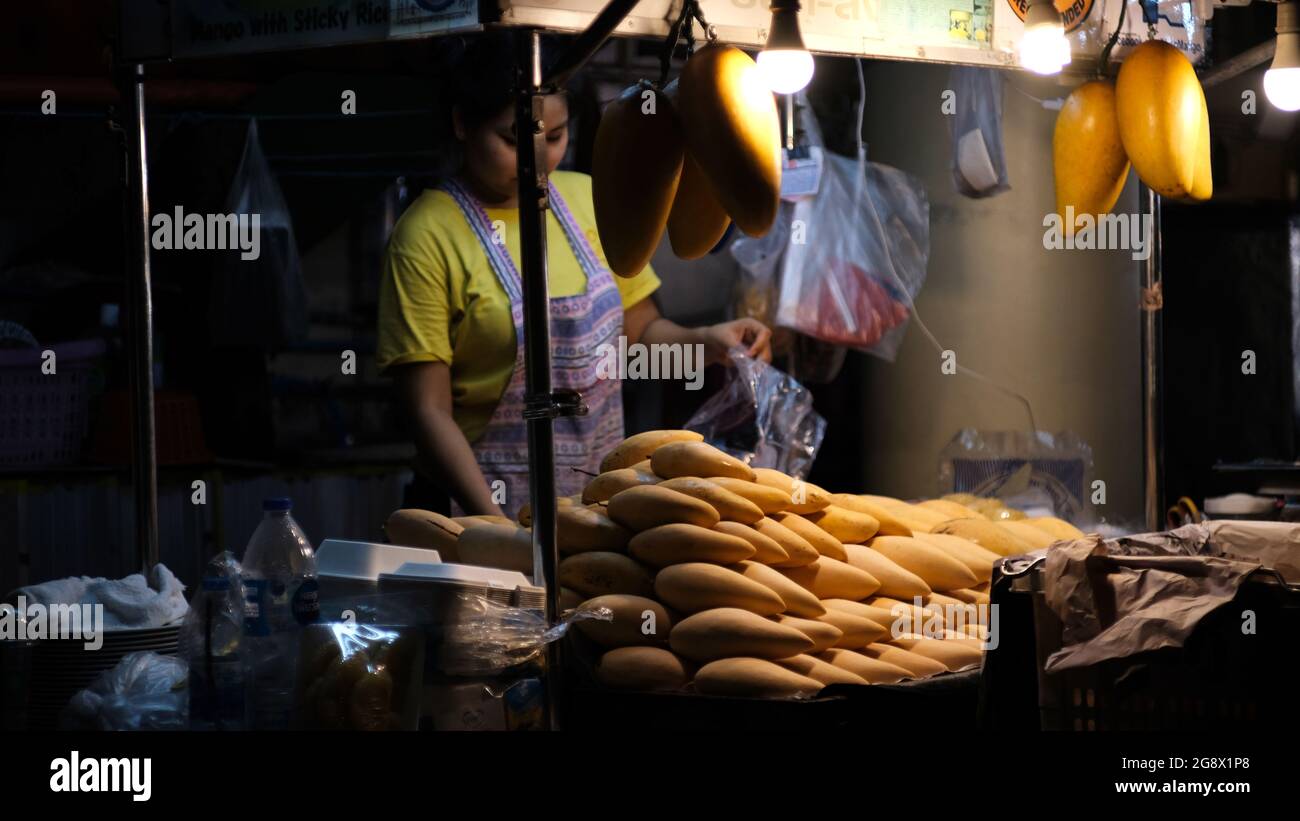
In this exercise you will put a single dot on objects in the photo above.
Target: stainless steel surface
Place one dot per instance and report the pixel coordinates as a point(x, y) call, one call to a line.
point(144, 459)
point(1152, 376)
point(1293, 237)
point(530, 153)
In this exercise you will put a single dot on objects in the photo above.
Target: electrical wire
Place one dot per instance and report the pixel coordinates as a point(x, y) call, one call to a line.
point(902, 288)
point(862, 109)
point(1049, 103)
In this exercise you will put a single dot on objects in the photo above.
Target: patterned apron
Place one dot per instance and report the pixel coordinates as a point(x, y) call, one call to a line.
point(579, 325)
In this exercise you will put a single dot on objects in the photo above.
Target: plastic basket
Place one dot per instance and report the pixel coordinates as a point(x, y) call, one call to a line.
point(43, 416)
point(178, 430)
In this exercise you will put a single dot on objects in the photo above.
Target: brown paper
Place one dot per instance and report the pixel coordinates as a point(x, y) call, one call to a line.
point(1139, 593)
point(1275, 545)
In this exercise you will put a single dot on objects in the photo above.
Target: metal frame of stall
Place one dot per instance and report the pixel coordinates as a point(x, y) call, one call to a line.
point(543, 404)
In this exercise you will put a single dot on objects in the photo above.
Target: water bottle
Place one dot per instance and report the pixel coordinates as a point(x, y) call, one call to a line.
point(281, 595)
point(210, 641)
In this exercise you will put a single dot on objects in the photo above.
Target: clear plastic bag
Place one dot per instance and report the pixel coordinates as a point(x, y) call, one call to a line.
point(855, 257)
point(979, 166)
point(267, 294)
point(1038, 472)
point(762, 417)
point(490, 638)
point(145, 691)
point(353, 676)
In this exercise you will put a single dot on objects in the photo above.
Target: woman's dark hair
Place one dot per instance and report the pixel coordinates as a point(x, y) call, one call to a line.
point(483, 75)
point(478, 80)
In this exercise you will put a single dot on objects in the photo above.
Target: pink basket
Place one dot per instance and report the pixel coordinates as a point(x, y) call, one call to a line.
point(43, 416)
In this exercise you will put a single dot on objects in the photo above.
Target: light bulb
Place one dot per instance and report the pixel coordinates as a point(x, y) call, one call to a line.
point(1282, 87)
point(1043, 47)
point(1282, 80)
point(785, 70)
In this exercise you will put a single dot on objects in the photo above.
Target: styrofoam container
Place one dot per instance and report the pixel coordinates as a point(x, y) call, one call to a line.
point(366, 561)
point(472, 574)
point(347, 569)
point(507, 587)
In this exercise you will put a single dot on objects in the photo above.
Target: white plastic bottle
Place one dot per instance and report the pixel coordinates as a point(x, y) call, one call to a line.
point(281, 595)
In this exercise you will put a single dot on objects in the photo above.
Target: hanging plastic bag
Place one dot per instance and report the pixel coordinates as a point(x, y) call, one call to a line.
point(979, 168)
point(265, 294)
point(856, 257)
point(762, 417)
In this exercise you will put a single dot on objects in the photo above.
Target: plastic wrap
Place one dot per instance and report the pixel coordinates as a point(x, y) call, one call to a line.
point(979, 166)
point(268, 293)
point(1180, 23)
point(145, 691)
point(1038, 472)
point(355, 676)
point(762, 417)
point(854, 257)
point(489, 639)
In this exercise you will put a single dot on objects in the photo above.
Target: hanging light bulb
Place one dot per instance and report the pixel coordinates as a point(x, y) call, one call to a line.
point(785, 64)
point(1043, 47)
point(1282, 80)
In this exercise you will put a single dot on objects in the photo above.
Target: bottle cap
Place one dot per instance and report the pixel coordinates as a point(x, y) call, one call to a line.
point(277, 503)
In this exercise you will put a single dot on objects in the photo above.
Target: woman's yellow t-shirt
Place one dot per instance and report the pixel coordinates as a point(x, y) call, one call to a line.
point(440, 300)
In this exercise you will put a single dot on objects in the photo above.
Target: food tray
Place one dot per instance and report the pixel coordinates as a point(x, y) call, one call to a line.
point(939, 705)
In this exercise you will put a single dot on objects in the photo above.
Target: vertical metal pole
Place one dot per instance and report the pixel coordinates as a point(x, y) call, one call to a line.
point(789, 122)
point(144, 462)
point(1153, 456)
point(530, 141)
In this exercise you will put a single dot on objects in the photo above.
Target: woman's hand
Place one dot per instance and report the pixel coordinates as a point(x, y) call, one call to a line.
point(643, 323)
point(720, 338)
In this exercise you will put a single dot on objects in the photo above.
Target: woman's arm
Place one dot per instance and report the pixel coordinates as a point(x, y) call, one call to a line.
point(643, 323)
point(425, 391)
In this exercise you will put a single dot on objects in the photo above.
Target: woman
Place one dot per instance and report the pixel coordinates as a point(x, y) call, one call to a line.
point(450, 315)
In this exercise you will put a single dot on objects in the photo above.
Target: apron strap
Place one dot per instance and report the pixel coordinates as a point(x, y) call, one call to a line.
point(499, 255)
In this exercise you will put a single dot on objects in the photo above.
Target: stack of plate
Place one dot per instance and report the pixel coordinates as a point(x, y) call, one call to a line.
point(60, 669)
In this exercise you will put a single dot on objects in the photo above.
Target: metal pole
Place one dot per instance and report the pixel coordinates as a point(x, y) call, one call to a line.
point(530, 140)
point(144, 461)
point(1153, 456)
point(588, 41)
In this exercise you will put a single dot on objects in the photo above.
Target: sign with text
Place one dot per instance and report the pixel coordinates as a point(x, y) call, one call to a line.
point(204, 28)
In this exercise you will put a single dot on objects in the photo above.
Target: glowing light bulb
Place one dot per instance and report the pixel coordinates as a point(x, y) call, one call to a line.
point(1282, 80)
point(1282, 87)
point(1043, 47)
point(785, 70)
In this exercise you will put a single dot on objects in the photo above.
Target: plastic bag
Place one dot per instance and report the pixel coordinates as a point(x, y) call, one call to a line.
point(267, 294)
point(762, 417)
point(855, 258)
point(1182, 24)
point(353, 676)
point(489, 638)
point(979, 167)
point(1038, 472)
point(145, 691)
point(760, 266)
point(210, 641)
